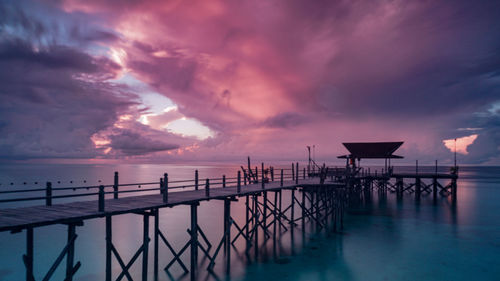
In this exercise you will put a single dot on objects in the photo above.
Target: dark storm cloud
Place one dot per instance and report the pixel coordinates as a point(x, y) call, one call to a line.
point(132, 143)
point(46, 109)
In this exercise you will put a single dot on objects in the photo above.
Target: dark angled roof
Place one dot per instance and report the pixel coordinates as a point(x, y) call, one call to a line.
point(372, 149)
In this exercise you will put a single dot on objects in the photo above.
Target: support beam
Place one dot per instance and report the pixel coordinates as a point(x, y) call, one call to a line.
point(194, 240)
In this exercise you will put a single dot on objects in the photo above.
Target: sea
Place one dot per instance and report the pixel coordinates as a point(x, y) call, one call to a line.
point(384, 238)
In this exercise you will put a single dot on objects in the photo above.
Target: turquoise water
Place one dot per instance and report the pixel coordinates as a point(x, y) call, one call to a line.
point(384, 239)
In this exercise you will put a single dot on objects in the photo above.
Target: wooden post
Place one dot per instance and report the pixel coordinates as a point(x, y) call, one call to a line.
point(28, 258)
point(115, 186)
point(48, 194)
point(196, 180)
point(71, 253)
point(293, 172)
point(101, 198)
point(272, 173)
point(238, 188)
point(156, 243)
point(223, 181)
point(165, 188)
point(297, 173)
point(245, 177)
point(281, 178)
point(207, 188)
point(145, 241)
point(257, 174)
point(262, 172)
point(109, 245)
point(304, 174)
point(194, 240)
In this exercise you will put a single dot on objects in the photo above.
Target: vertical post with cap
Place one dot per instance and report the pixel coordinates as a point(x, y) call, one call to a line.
point(165, 187)
point(238, 189)
point(115, 186)
point(281, 178)
point(196, 180)
point(48, 194)
point(101, 198)
point(223, 181)
point(262, 176)
point(207, 188)
point(297, 173)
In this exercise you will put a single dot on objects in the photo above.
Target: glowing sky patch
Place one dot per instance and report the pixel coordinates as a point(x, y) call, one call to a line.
point(461, 144)
point(189, 127)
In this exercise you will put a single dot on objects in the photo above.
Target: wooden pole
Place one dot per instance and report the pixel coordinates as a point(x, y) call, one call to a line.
point(238, 189)
point(293, 172)
point(272, 173)
point(145, 241)
point(196, 179)
point(109, 246)
point(71, 253)
point(281, 178)
point(223, 181)
point(156, 242)
point(207, 188)
point(227, 232)
point(194, 240)
point(262, 177)
point(297, 173)
point(101, 198)
point(28, 258)
point(115, 186)
point(165, 188)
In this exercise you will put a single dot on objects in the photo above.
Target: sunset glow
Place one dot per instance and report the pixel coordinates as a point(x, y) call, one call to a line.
point(233, 79)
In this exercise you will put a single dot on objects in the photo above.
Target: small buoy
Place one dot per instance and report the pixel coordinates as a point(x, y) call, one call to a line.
point(24, 182)
point(70, 181)
point(11, 183)
point(36, 182)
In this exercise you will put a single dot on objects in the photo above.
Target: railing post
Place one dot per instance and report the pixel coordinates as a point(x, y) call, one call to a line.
point(48, 194)
point(293, 172)
point(196, 180)
point(238, 189)
point(262, 176)
point(115, 186)
point(223, 181)
point(101, 198)
point(272, 173)
point(165, 188)
point(245, 177)
point(304, 174)
point(207, 188)
point(257, 174)
point(297, 173)
point(281, 178)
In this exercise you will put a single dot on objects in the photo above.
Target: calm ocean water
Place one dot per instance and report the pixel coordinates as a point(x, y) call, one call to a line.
point(383, 239)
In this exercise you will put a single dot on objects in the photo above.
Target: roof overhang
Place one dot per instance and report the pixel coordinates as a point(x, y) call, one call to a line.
point(372, 150)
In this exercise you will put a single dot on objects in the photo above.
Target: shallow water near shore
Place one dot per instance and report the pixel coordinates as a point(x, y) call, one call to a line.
point(383, 239)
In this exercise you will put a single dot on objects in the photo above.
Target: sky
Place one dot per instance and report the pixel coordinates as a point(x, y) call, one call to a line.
point(181, 81)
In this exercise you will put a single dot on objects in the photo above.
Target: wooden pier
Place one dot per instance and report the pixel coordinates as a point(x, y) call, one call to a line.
point(319, 195)
point(321, 202)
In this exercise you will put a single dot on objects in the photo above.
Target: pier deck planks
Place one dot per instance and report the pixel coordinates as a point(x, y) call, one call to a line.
point(23, 217)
